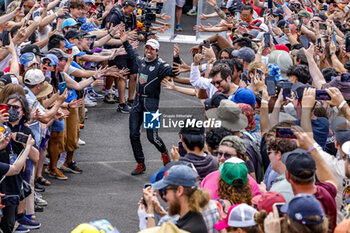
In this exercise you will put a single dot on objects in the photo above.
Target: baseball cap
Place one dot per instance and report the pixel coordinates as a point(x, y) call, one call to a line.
point(153, 43)
point(233, 170)
point(248, 111)
point(343, 226)
point(88, 35)
point(282, 59)
point(53, 59)
point(33, 77)
point(179, 175)
point(234, 142)
point(254, 33)
point(46, 90)
point(346, 148)
point(243, 95)
point(304, 13)
point(89, 27)
point(239, 215)
point(303, 206)
point(282, 47)
point(298, 89)
point(159, 174)
point(245, 53)
point(73, 33)
point(8, 78)
point(70, 22)
point(266, 200)
point(98, 226)
point(28, 59)
point(298, 161)
point(32, 48)
point(214, 101)
point(59, 53)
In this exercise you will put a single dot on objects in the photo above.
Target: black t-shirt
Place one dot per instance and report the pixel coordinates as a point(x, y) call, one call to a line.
point(12, 185)
point(193, 223)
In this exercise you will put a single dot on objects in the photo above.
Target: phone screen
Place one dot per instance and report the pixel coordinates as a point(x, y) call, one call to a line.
point(278, 206)
point(21, 137)
point(334, 40)
point(271, 85)
point(300, 24)
point(285, 133)
point(267, 39)
point(322, 95)
point(237, 16)
point(347, 44)
point(345, 78)
point(62, 87)
point(322, 26)
point(5, 38)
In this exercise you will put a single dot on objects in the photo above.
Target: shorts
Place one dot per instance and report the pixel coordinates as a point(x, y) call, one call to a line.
point(57, 125)
point(125, 62)
point(180, 3)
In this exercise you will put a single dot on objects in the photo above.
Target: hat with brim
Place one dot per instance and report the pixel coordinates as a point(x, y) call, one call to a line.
point(346, 148)
point(230, 115)
point(344, 87)
point(47, 90)
point(77, 52)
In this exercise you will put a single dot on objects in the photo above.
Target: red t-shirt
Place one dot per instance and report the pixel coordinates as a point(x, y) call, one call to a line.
point(326, 193)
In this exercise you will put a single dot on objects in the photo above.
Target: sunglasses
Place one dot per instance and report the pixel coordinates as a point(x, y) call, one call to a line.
point(217, 82)
point(162, 192)
point(270, 152)
point(226, 155)
point(15, 107)
point(47, 63)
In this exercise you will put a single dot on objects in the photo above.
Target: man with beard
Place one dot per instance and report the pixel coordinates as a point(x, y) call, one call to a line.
point(179, 189)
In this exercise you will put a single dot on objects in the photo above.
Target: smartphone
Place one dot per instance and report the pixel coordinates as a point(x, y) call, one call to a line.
point(237, 16)
point(345, 78)
point(267, 39)
point(286, 133)
point(273, 23)
point(62, 87)
point(10, 200)
point(271, 85)
point(334, 40)
point(21, 137)
point(287, 24)
point(2, 107)
point(278, 206)
point(3, 130)
point(287, 89)
point(319, 42)
point(322, 95)
point(300, 24)
point(269, 4)
point(259, 72)
point(347, 44)
point(5, 37)
point(21, 5)
point(322, 26)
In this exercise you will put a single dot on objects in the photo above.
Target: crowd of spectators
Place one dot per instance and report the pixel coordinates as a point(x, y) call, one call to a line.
point(275, 74)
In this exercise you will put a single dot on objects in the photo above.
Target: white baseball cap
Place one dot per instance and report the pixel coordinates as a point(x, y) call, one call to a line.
point(33, 77)
point(346, 148)
point(153, 43)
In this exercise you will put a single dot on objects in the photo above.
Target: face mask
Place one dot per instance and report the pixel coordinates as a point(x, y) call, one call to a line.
point(13, 115)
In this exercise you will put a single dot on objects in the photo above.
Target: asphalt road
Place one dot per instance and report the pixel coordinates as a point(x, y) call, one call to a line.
point(106, 190)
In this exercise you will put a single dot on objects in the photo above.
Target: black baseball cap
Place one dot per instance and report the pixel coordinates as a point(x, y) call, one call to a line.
point(32, 48)
point(214, 101)
point(298, 161)
point(73, 33)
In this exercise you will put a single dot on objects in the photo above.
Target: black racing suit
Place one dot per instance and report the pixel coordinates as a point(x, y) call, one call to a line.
point(146, 100)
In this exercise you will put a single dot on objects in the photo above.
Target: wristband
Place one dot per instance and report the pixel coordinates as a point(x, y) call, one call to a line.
point(94, 78)
point(341, 104)
point(149, 216)
point(264, 102)
point(311, 149)
point(216, 8)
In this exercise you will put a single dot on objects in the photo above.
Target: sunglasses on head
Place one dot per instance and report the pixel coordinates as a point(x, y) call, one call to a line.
point(46, 62)
point(15, 107)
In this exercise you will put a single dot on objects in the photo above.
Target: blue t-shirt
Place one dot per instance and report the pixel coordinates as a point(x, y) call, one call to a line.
point(320, 128)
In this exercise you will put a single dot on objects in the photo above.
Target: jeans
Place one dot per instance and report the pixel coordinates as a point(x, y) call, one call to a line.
point(135, 122)
point(9, 219)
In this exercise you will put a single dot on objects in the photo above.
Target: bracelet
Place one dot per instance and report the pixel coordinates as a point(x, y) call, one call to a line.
point(149, 216)
point(264, 102)
point(216, 8)
point(341, 104)
point(94, 78)
point(331, 53)
point(311, 149)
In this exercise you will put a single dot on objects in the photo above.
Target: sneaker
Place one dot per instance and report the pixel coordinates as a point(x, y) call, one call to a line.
point(116, 99)
point(130, 103)
point(92, 93)
point(39, 201)
point(109, 98)
point(21, 229)
point(166, 158)
point(38, 187)
point(56, 173)
point(81, 142)
point(72, 167)
point(191, 12)
point(27, 223)
point(88, 102)
point(123, 108)
point(38, 208)
point(141, 167)
point(91, 98)
point(178, 28)
point(86, 110)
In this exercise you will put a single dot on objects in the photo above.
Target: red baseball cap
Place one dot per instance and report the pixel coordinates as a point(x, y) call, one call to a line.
point(282, 47)
point(265, 201)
